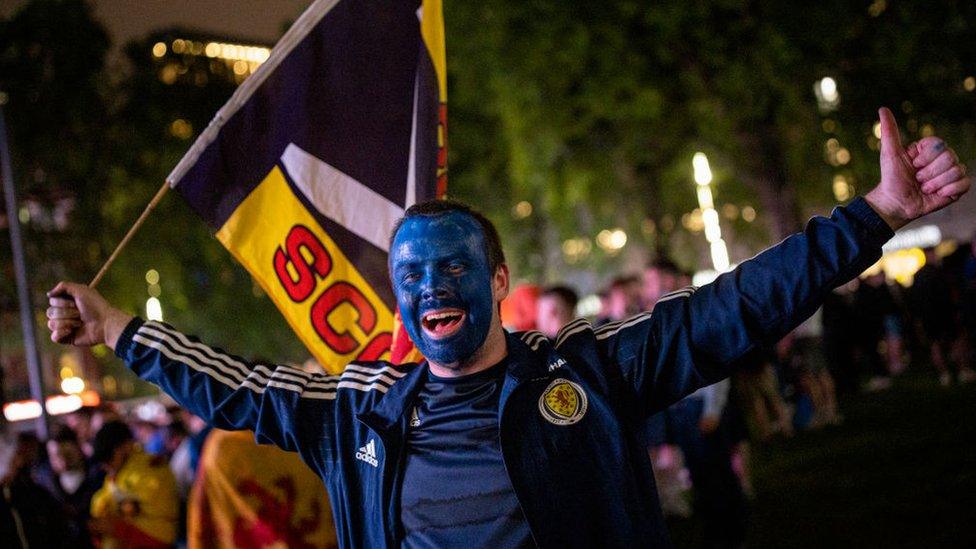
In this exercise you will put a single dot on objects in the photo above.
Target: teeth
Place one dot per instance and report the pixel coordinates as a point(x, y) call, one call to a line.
point(438, 316)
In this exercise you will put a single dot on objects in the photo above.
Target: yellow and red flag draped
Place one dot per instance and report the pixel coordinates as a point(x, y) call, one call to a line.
point(304, 172)
point(248, 496)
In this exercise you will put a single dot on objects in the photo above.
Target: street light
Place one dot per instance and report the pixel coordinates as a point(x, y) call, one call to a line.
point(828, 98)
point(713, 230)
point(705, 196)
point(720, 256)
point(72, 385)
point(703, 172)
point(154, 309)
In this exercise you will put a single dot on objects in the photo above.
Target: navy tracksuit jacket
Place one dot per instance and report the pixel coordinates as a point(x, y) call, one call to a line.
point(583, 482)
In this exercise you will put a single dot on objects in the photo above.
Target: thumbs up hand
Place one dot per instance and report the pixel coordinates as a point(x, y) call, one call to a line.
point(915, 181)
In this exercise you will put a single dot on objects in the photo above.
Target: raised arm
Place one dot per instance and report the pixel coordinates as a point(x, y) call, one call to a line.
point(282, 405)
point(695, 337)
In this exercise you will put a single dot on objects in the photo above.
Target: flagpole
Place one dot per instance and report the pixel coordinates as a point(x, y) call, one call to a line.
point(299, 29)
point(128, 236)
point(34, 376)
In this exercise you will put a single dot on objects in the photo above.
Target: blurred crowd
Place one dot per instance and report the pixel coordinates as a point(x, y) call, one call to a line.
point(867, 333)
point(101, 479)
point(106, 478)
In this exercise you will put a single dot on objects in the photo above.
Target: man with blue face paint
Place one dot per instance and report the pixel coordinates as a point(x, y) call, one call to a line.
point(514, 440)
point(447, 286)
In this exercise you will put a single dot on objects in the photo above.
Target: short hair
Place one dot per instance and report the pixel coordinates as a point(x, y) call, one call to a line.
point(112, 435)
point(564, 293)
point(622, 281)
point(437, 207)
point(664, 264)
point(65, 434)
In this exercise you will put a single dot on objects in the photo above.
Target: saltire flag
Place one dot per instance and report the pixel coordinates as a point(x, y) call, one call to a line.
point(305, 170)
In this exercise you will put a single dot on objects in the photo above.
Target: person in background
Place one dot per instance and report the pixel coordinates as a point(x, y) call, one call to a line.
point(968, 300)
point(877, 314)
point(137, 506)
point(935, 311)
point(967, 309)
point(86, 421)
point(80, 421)
point(734, 424)
point(556, 308)
point(150, 436)
point(72, 481)
point(174, 434)
point(29, 516)
point(812, 387)
point(623, 300)
point(659, 277)
point(697, 428)
point(762, 404)
point(186, 456)
point(519, 308)
point(184, 459)
point(969, 265)
point(838, 337)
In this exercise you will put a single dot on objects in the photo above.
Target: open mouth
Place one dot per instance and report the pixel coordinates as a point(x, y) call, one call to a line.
point(442, 323)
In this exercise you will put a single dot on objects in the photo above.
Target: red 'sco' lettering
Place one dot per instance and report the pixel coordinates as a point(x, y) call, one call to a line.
point(301, 287)
point(335, 295)
point(376, 347)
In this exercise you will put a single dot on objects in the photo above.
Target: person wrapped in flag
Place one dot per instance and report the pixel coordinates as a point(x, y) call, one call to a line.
point(501, 439)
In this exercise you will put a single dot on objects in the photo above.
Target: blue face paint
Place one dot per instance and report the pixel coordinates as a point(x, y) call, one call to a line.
point(442, 283)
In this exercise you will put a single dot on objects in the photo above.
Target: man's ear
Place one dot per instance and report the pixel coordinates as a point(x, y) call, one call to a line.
point(500, 283)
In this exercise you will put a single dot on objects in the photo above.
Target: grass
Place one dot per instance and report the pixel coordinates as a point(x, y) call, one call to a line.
point(900, 472)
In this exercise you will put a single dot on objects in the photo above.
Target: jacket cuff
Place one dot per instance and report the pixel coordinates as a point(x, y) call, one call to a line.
point(875, 230)
point(125, 340)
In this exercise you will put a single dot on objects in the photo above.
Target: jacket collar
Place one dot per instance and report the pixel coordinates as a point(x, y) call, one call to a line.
point(390, 413)
point(524, 364)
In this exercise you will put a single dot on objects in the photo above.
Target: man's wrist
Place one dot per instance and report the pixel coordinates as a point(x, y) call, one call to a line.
point(115, 322)
point(880, 204)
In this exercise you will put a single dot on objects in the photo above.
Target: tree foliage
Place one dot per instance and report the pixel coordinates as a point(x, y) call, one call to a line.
point(91, 147)
point(588, 111)
point(592, 111)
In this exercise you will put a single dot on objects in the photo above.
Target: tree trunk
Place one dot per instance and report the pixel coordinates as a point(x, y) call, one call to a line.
point(767, 175)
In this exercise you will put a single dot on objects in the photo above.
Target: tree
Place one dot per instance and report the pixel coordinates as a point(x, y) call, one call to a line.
point(163, 104)
point(51, 60)
point(90, 151)
point(591, 112)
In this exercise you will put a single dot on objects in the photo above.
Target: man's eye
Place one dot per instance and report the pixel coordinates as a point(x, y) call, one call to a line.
point(455, 269)
point(411, 277)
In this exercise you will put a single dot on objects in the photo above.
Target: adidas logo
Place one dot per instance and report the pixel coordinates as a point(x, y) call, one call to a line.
point(368, 453)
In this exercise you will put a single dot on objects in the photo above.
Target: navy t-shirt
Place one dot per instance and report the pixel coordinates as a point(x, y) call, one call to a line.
point(456, 492)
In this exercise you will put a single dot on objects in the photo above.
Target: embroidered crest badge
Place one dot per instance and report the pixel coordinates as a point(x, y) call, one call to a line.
point(563, 402)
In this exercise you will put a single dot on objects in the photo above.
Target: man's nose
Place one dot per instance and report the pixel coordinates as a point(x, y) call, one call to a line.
point(434, 287)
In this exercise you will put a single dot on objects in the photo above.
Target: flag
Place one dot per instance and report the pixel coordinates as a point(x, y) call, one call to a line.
point(252, 496)
point(306, 169)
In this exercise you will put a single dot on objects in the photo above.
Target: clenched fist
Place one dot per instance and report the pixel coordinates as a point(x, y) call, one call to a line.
point(79, 315)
